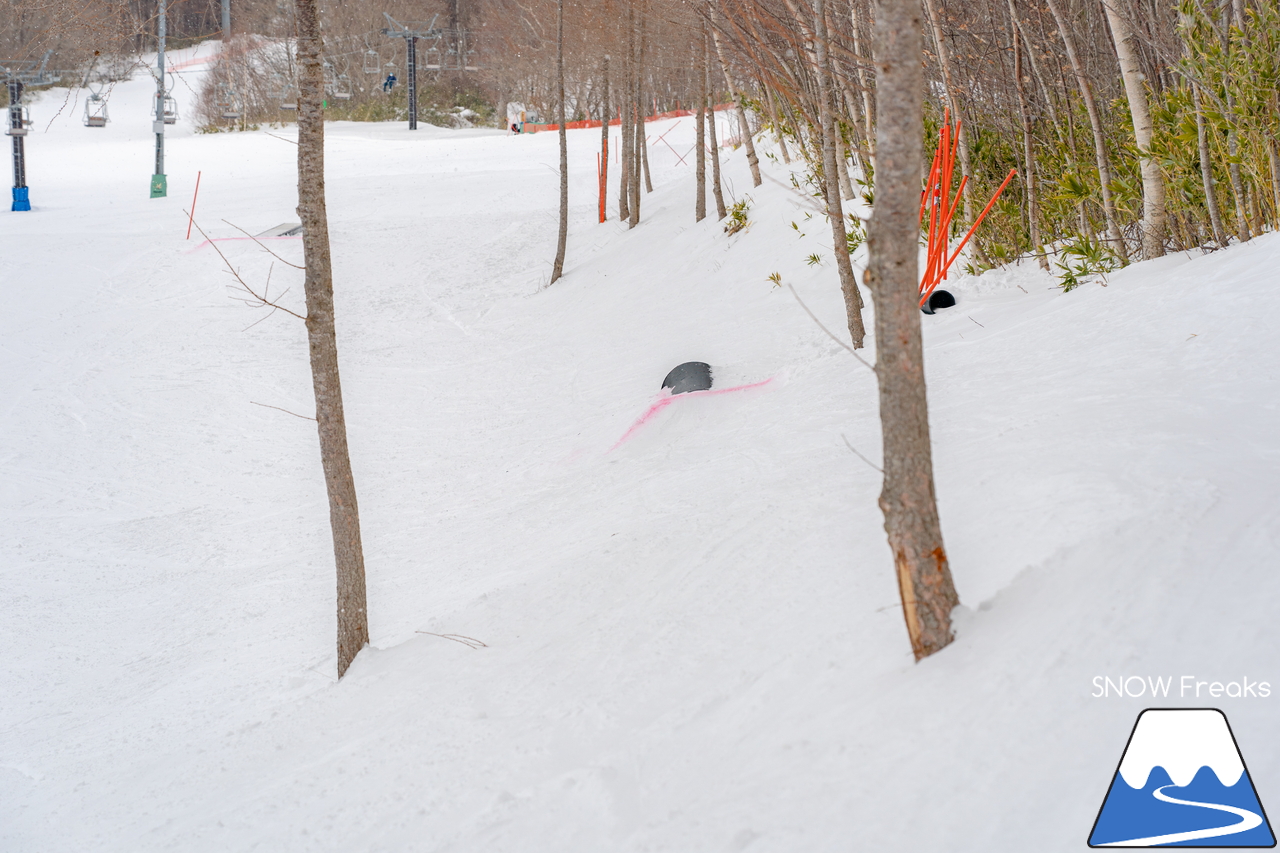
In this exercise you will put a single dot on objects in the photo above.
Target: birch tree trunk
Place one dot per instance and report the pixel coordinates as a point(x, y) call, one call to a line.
point(636, 116)
point(1233, 138)
point(957, 115)
point(777, 128)
point(1155, 222)
point(1095, 121)
point(557, 268)
point(344, 513)
point(700, 162)
point(644, 159)
point(1028, 147)
point(830, 181)
point(604, 133)
point(625, 124)
point(907, 499)
point(752, 160)
point(868, 109)
point(1206, 170)
point(716, 191)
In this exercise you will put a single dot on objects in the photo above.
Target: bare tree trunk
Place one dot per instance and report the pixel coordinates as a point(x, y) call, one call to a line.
point(1206, 170)
point(644, 157)
point(1273, 158)
point(842, 166)
point(604, 133)
point(716, 191)
point(557, 269)
point(1028, 148)
point(626, 126)
point(831, 184)
point(957, 115)
point(777, 128)
point(868, 110)
point(752, 160)
point(637, 116)
point(907, 499)
point(344, 513)
point(1233, 139)
point(1099, 140)
point(1233, 171)
point(1154, 216)
point(700, 170)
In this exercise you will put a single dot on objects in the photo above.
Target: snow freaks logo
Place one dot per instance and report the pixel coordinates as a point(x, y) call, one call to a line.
point(1181, 783)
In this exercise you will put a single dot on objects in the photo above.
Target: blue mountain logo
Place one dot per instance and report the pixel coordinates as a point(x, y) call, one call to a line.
point(1182, 783)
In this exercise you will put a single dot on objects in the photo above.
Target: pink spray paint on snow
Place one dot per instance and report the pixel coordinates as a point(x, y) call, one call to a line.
point(668, 398)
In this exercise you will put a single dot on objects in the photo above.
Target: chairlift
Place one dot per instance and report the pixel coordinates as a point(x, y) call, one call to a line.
point(95, 105)
point(227, 102)
point(372, 62)
point(290, 99)
point(336, 86)
point(95, 111)
point(342, 88)
point(20, 127)
point(277, 88)
point(168, 109)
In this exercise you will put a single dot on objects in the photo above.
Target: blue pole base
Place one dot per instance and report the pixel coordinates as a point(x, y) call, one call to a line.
point(21, 198)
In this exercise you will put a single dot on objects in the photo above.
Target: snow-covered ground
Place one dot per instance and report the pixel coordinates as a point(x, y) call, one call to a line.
point(691, 639)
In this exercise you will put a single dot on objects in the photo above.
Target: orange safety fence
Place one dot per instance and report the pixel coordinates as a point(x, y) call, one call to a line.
point(530, 127)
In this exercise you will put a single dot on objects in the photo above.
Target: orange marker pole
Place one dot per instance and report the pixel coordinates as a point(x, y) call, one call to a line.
point(192, 218)
point(982, 216)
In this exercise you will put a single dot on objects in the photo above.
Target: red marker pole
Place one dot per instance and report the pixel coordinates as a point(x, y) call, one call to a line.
point(192, 218)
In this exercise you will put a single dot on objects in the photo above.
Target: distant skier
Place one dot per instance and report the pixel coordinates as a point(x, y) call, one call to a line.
point(389, 83)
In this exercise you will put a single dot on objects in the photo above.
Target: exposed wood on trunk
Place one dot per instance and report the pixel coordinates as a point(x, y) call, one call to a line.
point(344, 513)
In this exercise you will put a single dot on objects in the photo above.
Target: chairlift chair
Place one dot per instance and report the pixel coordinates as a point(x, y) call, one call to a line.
point(290, 100)
point(168, 110)
point(95, 111)
point(372, 62)
point(336, 86)
point(24, 122)
point(226, 102)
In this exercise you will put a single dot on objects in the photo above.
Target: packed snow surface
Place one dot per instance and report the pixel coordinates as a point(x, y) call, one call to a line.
point(691, 640)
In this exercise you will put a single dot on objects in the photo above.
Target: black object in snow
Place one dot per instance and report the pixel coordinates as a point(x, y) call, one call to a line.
point(690, 376)
point(938, 299)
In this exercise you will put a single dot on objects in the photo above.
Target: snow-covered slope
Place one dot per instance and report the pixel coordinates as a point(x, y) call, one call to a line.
point(691, 640)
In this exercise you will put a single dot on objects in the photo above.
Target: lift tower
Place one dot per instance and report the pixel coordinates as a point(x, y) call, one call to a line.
point(16, 127)
point(411, 33)
point(17, 76)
